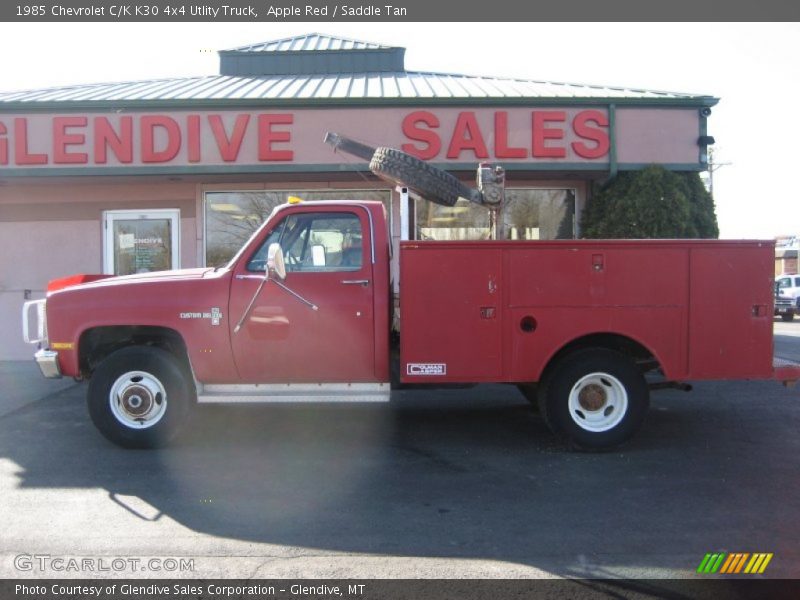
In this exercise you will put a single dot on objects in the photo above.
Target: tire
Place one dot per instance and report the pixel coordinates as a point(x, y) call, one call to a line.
point(787, 316)
point(595, 398)
point(426, 180)
point(159, 394)
point(530, 392)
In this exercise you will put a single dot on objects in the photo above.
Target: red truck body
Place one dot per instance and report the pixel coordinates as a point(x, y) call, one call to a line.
point(500, 311)
point(583, 317)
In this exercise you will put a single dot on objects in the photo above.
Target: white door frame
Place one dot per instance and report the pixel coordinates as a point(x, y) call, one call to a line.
point(109, 216)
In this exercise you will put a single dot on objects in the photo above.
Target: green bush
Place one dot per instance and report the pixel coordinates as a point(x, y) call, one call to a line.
point(651, 203)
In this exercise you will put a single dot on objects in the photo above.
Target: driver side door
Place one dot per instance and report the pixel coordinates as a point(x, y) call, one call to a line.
point(283, 339)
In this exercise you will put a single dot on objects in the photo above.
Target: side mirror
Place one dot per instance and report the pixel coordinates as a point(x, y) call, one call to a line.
point(275, 264)
point(318, 255)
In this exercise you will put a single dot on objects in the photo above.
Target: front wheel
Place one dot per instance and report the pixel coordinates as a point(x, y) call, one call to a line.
point(596, 398)
point(139, 397)
point(787, 316)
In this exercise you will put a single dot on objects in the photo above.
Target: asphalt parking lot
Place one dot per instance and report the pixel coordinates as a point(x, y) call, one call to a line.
point(456, 483)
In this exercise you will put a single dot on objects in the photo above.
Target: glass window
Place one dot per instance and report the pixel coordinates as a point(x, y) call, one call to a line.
point(140, 241)
point(528, 214)
point(232, 217)
point(317, 242)
point(785, 282)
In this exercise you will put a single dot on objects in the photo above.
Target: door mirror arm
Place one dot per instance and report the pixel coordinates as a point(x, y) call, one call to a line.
point(311, 305)
point(275, 272)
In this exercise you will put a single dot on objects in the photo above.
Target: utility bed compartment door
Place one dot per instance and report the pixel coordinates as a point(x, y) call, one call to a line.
point(450, 313)
point(730, 323)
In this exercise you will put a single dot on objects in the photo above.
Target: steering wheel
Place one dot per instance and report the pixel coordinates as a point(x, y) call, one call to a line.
point(291, 259)
point(257, 264)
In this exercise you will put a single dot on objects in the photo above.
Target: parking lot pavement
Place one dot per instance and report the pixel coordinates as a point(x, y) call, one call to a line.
point(787, 339)
point(21, 383)
point(455, 483)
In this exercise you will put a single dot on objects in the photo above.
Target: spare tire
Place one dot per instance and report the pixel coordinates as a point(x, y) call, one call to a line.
point(426, 180)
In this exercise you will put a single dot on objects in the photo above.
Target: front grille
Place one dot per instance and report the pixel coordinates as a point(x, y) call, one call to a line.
point(39, 327)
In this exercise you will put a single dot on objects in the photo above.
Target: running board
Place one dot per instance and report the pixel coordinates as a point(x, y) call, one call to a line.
point(268, 393)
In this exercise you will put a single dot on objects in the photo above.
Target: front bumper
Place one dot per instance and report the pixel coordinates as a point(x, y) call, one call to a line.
point(48, 363)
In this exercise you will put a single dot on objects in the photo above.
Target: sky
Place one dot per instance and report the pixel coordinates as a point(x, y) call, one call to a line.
point(752, 67)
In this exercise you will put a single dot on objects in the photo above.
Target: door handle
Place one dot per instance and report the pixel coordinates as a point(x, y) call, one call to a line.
point(250, 277)
point(364, 282)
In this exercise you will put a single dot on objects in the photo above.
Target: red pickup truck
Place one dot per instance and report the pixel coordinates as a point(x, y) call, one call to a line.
point(304, 312)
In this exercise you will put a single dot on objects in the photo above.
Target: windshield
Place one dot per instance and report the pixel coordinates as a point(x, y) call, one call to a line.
point(256, 233)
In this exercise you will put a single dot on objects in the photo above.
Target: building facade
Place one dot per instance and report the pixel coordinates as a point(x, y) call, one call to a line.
point(131, 177)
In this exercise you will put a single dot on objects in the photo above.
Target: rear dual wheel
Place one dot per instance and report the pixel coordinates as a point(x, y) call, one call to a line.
point(595, 398)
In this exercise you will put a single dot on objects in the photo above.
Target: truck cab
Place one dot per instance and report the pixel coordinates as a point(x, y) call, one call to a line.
point(789, 286)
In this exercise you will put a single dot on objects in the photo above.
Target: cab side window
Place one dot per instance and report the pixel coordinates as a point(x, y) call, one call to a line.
point(315, 242)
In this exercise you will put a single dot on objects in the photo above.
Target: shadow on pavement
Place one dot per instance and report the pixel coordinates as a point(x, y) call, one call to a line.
point(457, 473)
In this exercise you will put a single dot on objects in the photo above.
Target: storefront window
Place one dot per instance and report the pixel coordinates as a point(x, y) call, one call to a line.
point(529, 214)
point(232, 217)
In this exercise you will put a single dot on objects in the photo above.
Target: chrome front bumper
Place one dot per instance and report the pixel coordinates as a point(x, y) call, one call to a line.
point(48, 363)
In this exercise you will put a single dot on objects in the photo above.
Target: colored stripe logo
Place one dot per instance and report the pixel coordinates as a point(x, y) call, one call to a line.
point(735, 562)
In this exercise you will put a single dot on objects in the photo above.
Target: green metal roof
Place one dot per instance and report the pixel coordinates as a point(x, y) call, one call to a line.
point(310, 54)
point(320, 69)
point(402, 86)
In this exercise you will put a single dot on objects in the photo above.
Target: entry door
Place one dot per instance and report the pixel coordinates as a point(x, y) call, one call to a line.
point(329, 265)
point(139, 241)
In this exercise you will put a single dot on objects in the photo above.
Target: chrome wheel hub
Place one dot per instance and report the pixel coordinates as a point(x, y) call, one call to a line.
point(138, 400)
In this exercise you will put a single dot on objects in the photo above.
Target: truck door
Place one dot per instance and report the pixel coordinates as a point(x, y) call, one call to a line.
point(329, 265)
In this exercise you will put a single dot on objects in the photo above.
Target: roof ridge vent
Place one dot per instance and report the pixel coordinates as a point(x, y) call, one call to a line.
point(310, 54)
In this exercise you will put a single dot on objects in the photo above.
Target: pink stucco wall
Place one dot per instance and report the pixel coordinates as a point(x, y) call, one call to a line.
point(658, 135)
point(52, 230)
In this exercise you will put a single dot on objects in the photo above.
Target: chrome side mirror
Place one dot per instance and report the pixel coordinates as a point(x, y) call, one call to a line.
point(275, 264)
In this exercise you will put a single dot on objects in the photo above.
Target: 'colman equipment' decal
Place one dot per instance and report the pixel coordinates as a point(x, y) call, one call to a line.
point(426, 369)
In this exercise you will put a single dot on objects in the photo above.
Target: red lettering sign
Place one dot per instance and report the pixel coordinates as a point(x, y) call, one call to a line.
point(467, 136)
point(229, 147)
point(413, 131)
point(267, 137)
point(581, 126)
point(105, 138)
point(501, 147)
point(542, 133)
point(21, 154)
point(148, 125)
point(222, 138)
point(193, 138)
point(62, 138)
